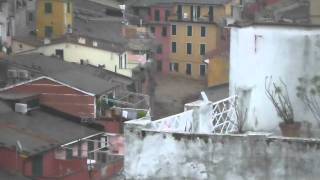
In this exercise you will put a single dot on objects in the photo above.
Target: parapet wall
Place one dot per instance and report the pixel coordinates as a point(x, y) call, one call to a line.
point(161, 155)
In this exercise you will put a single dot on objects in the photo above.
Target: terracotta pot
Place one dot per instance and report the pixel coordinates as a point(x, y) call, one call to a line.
point(290, 130)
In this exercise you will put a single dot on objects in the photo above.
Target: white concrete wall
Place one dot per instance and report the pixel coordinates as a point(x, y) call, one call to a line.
point(164, 155)
point(75, 52)
point(282, 52)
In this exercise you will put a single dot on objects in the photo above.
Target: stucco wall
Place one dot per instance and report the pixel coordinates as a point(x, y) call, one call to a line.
point(181, 39)
point(163, 40)
point(218, 71)
point(315, 11)
point(279, 51)
point(75, 52)
point(160, 155)
point(18, 47)
point(58, 19)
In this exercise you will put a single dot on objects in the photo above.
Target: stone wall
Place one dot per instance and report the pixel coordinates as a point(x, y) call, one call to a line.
point(163, 155)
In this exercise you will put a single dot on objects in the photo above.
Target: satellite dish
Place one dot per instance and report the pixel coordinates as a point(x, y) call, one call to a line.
point(19, 146)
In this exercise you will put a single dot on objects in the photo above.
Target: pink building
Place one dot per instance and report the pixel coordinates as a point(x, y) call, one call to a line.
point(159, 25)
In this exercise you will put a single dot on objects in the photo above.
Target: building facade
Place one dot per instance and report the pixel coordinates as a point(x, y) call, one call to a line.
point(54, 18)
point(58, 96)
point(93, 52)
point(159, 25)
point(315, 11)
point(254, 56)
point(196, 29)
point(185, 32)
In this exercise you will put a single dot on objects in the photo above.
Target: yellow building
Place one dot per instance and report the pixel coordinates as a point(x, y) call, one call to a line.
point(315, 11)
point(54, 18)
point(218, 69)
point(195, 30)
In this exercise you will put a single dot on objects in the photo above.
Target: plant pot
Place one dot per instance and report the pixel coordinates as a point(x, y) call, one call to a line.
point(290, 130)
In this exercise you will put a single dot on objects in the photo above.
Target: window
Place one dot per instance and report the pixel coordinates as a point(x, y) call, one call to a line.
point(164, 31)
point(30, 16)
point(136, 11)
point(90, 148)
point(203, 69)
point(68, 7)
point(203, 31)
point(69, 154)
point(174, 30)
point(48, 8)
point(157, 15)
point(174, 67)
point(167, 14)
point(198, 12)
point(189, 48)
point(37, 165)
point(192, 16)
point(48, 31)
point(159, 49)
point(152, 29)
point(202, 49)
point(173, 47)
point(123, 61)
point(211, 13)
point(188, 69)
point(189, 30)
point(159, 66)
point(179, 12)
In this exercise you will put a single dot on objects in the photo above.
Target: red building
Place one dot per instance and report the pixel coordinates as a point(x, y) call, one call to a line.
point(60, 96)
point(158, 23)
point(41, 146)
point(31, 144)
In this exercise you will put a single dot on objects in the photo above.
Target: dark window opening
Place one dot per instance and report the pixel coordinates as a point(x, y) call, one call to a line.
point(68, 7)
point(37, 166)
point(189, 48)
point(164, 31)
point(48, 8)
point(167, 14)
point(48, 30)
point(157, 15)
point(198, 12)
point(202, 49)
point(191, 13)
point(188, 69)
point(189, 30)
point(159, 66)
point(152, 29)
point(202, 70)
point(59, 53)
point(173, 47)
point(179, 12)
point(203, 31)
point(174, 67)
point(211, 13)
point(174, 30)
point(159, 49)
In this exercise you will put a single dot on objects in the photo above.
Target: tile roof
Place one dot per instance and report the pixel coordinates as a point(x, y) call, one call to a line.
point(85, 77)
point(146, 3)
point(108, 29)
point(39, 131)
point(11, 176)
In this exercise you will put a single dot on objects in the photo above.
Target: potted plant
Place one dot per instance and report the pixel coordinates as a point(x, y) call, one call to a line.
point(278, 95)
point(308, 91)
point(241, 114)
